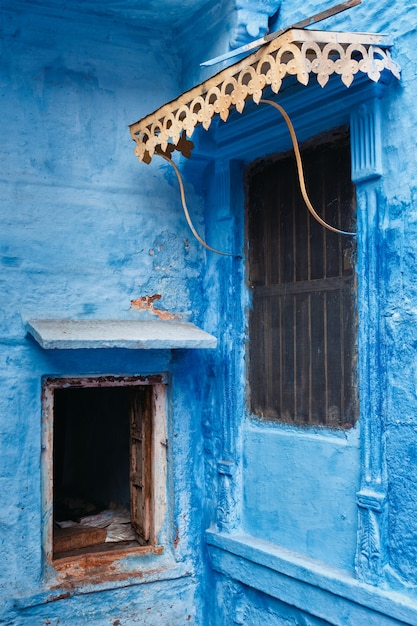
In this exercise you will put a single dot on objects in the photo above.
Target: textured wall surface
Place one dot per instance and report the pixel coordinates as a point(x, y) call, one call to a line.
point(288, 499)
point(286, 503)
point(86, 230)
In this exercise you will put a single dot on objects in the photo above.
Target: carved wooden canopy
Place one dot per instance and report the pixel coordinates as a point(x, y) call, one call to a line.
point(296, 53)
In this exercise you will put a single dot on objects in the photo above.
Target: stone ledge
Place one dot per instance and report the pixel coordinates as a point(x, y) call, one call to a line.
point(326, 592)
point(130, 334)
point(167, 571)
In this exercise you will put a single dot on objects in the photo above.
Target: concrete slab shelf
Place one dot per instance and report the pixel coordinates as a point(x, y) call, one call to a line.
point(67, 334)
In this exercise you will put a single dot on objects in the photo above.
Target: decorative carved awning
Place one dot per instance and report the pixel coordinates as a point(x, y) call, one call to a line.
point(297, 53)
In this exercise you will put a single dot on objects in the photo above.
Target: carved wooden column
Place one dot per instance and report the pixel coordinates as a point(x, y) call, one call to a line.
point(371, 499)
point(226, 195)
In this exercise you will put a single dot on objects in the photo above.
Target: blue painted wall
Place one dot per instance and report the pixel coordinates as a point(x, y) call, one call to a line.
point(85, 231)
point(266, 517)
point(297, 510)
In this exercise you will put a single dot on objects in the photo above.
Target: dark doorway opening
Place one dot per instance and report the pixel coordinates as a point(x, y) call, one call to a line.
point(101, 467)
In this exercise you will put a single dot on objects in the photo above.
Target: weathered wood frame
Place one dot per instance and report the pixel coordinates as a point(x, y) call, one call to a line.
point(158, 458)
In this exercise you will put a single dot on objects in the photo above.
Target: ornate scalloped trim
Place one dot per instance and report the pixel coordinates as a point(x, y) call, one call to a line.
point(297, 53)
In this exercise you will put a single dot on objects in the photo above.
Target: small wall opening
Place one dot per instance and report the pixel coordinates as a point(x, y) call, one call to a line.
point(107, 439)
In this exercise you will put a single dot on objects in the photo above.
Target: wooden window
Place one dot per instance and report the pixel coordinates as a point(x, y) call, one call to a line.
point(302, 349)
point(108, 438)
point(141, 463)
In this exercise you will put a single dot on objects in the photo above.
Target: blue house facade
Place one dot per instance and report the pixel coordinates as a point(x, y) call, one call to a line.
point(238, 392)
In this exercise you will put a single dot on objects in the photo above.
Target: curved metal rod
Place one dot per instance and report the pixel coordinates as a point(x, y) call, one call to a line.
point(186, 213)
point(301, 172)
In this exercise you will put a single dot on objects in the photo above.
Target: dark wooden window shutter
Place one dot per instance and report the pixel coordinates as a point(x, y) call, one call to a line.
point(302, 324)
point(141, 462)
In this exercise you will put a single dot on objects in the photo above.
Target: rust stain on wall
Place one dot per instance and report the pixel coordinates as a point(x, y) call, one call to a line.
point(98, 567)
point(146, 303)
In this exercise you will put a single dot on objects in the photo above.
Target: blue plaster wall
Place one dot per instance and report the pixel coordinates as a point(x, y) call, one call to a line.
point(287, 522)
point(86, 229)
point(286, 502)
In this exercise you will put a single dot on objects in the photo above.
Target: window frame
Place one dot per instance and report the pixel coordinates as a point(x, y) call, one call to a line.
point(158, 468)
